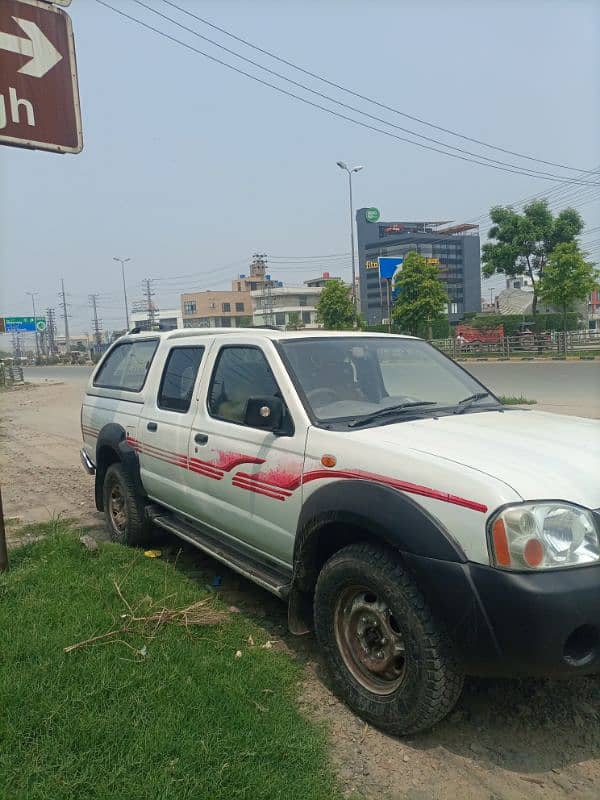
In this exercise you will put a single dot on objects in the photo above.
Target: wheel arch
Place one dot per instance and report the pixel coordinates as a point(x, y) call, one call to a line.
point(112, 447)
point(343, 513)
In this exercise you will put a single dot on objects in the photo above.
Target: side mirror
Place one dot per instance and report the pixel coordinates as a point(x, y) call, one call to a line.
point(264, 412)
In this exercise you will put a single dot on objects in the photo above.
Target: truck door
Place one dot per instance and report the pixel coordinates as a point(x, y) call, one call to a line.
point(165, 428)
point(247, 481)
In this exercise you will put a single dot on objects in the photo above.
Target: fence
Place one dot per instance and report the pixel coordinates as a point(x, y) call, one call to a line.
point(557, 344)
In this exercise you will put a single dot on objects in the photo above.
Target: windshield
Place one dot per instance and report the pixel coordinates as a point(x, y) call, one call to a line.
point(347, 378)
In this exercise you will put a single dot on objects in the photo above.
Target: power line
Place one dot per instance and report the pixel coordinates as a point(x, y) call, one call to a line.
point(342, 88)
point(519, 171)
point(560, 193)
point(303, 86)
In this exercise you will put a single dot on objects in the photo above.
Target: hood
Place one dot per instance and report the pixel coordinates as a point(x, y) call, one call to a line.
point(539, 455)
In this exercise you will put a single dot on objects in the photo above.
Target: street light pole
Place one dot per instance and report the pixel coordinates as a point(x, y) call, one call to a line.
point(37, 344)
point(123, 262)
point(350, 170)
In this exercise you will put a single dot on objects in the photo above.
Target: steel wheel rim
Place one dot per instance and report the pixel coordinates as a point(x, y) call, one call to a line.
point(117, 508)
point(369, 640)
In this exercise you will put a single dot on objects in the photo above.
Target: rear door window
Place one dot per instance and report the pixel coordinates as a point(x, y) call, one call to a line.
point(126, 367)
point(179, 378)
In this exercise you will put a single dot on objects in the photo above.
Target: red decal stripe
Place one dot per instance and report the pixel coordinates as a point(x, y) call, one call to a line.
point(403, 486)
point(275, 478)
point(239, 477)
point(227, 461)
point(265, 482)
point(206, 465)
point(258, 490)
point(199, 470)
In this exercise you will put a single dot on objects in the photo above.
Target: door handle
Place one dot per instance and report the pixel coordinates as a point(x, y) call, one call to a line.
point(201, 438)
point(152, 426)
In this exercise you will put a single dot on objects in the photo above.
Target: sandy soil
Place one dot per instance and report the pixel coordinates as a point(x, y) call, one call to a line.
point(40, 470)
point(506, 740)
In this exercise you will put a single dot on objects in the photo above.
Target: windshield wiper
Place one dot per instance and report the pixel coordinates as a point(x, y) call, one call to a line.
point(467, 402)
point(384, 412)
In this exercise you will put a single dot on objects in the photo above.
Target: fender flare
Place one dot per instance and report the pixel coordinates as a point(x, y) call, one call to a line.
point(112, 447)
point(367, 510)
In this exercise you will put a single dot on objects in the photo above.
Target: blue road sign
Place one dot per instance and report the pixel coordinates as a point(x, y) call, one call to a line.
point(24, 324)
point(388, 266)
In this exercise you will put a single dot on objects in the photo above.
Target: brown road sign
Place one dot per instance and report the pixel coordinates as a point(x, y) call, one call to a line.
point(39, 97)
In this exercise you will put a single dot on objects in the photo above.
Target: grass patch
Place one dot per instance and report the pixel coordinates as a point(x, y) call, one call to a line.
point(176, 715)
point(512, 400)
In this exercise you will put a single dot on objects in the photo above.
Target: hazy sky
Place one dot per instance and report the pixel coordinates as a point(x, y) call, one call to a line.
point(189, 168)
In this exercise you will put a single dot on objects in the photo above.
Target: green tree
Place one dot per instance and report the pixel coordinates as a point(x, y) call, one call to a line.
point(567, 278)
point(335, 309)
point(524, 242)
point(422, 298)
point(294, 321)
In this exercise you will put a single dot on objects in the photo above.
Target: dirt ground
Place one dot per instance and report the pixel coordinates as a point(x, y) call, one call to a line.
point(505, 740)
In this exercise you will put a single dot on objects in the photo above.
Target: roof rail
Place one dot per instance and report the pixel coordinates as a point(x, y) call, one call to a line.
point(182, 333)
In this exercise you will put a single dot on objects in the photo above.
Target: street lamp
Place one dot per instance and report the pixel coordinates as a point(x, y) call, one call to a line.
point(37, 344)
point(350, 170)
point(123, 262)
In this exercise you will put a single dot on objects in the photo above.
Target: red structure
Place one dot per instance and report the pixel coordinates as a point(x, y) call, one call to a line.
point(471, 334)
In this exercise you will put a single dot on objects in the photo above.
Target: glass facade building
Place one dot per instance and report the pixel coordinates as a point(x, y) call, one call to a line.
point(454, 248)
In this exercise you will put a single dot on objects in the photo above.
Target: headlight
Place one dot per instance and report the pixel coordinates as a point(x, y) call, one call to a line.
point(534, 536)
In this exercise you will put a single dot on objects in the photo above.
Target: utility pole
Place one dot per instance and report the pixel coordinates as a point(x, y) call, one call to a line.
point(351, 170)
point(150, 307)
point(123, 261)
point(260, 261)
point(51, 331)
point(97, 323)
point(63, 296)
point(16, 345)
point(37, 343)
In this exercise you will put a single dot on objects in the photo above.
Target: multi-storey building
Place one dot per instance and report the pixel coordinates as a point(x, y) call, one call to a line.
point(210, 309)
point(453, 248)
point(285, 306)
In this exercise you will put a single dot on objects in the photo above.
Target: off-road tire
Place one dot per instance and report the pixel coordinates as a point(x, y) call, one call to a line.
point(137, 530)
point(431, 682)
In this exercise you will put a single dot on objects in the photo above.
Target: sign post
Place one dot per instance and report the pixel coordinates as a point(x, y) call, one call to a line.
point(3, 548)
point(388, 266)
point(39, 96)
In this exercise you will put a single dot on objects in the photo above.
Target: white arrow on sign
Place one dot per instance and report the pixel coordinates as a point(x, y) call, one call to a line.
point(37, 46)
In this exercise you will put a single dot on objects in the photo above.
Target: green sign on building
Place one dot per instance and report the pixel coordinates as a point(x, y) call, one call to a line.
point(372, 214)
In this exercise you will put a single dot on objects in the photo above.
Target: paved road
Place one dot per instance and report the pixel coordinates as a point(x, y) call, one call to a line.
point(60, 373)
point(568, 387)
point(571, 387)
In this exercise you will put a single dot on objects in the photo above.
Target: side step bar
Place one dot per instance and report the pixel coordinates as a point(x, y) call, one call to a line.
point(269, 576)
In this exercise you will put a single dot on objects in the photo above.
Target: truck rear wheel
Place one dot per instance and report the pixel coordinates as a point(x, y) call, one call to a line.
point(124, 509)
point(387, 657)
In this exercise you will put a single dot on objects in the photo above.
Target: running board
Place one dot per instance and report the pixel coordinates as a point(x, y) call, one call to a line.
point(268, 576)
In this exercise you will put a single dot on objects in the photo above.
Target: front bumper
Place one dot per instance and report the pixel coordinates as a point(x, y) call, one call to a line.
point(517, 624)
point(88, 464)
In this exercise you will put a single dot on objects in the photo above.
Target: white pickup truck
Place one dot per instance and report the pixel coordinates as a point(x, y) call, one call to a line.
point(423, 530)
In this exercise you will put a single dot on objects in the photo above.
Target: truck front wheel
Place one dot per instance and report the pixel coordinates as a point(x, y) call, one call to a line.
point(387, 657)
point(124, 509)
